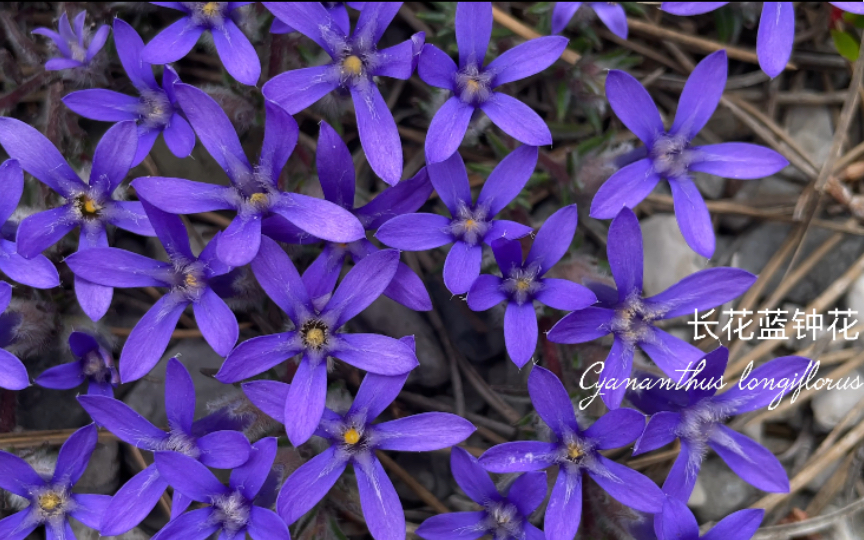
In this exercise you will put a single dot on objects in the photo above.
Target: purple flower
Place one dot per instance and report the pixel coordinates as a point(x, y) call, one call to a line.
point(576, 452)
point(187, 277)
point(471, 225)
point(155, 109)
point(253, 193)
point(37, 272)
point(776, 30)
point(630, 317)
point(612, 15)
point(852, 7)
point(316, 334)
point(231, 510)
point(221, 19)
point(502, 517)
point(89, 205)
point(94, 364)
point(670, 155)
point(696, 416)
point(522, 283)
point(354, 439)
point(336, 173)
point(208, 442)
point(75, 48)
point(51, 499)
point(676, 522)
point(13, 374)
point(356, 60)
point(472, 83)
point(337, 10)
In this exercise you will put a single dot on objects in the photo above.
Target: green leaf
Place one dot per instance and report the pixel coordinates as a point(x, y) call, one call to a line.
point(562, 101)
point(846, 45)
point(728, 23)
point(855, 20)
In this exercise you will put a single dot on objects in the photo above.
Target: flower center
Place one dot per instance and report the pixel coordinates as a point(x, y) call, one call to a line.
point(155, 109)
point(211, 8)
point(352, 65)
point(671, 156)
point(473, 86)
point(259, 200)
point(190, 280)
point(93, 364)
point(87, 207)
point(352, 436)
point(232, 511)
point(632, 319)
point(574, 451)
point(314, 334)
point(469, 225)
point(522, 284)
point(504, 520)
point(179, 441)
point(50, 501)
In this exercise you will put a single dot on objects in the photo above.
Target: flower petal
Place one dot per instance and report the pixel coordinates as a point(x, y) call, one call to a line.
point(376, 353)
point(616, 369)
point(405, 197)
point(473, 32)
point(320, 218)
point(659, 432)
point(447, 129)
point(436, 68)
point(223, 449)
point(133, 502)
point(690, 8)
point(179, 137)
point(310, 19)
point(279, 278)
point(625, 189)
point(321, 276)
point(517, 120)
point(265, 524)
point(562, 13)
point(582, 326)
point(740, 525)
point(89, 509)
point(37, 272)
point(179, 196)
point(507, 180)
point(113, 267)
point(188, 476)
point(129, 46)
point(613, 16)
point(298, 89)
point(172, 43)
point(305, 404)
point(74, 455)
point(38, 232)
point(60, 377)
point(700, 291)
point(754, 463)
point(122, 421)
point(462, 267)
point(382, 509)
point(179, 396)
point(551, 402)
point(450, 180)
point(775, 36)
point(519, 456)
point(633, 106)
point(269, 396)
point(378, 133)
point(486, 293)
point(335, 167)
point(149, 338)
point(755, 391)
point(362, 285)
point(671, 354)
point(423, 432)
point(701, 95)
point(553, 239)
point(616, 428)
point(236, 52)
point(170, 231)
point(472, 477)
point(375, 394)
point(628, 487)
point(682, 476)
point(415, 232)
point(97, 42)
point(564, 294)
point(520, 332)
point(104, 105)
point(693, 217)
point(250, 477)
point(12, 180)
point(309, 484)
point(526, 59)
point(195, 525)
point(564, 511)
point(398, 61)
point(18, 476)
point(461, 525)
point(852, 7)
point(742, 161)
point(502, 228)
point(676, 521)
point(527, 492)
point(374, 19)
point(407, 288)
point(257, 355)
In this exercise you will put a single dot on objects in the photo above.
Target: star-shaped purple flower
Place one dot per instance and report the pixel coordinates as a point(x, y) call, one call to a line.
point(356, 60)
point(187, 278)
point(93, 363)
point(254, 192)
point(36, 272)
point(670, 154)
point(155, 110)
point(522, 283)
point(630, 317)
point(212, 444)
point(221, 20)
point(89, 205)
point(472, 83)
point(336, 174)
point(676, 522)
point(13, 374)
point(76, 47)
point(504, 517)
point(230, 510)
point(51, 499)
point(471, 225)
point(695, 415)
point(611, 13)
point(337, 10)
point(576, 452)
point(354, 439)
point(316, 334)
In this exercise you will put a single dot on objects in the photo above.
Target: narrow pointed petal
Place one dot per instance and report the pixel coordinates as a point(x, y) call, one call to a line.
point(374, 19)
point(335, 167)
point(625, 189)
point(508, 179)
point(309, 484)
point(279, 278)
point(90, 509)
point(310, 19)
point(170, 231)
point(740, 525)
point(473, 31)
point(461, 525)
point(217, 322)
point(742, 161)
point(403, 198)
point(378, 133)
point(12, 182)
point(503, 228)
point(321, 276)
point(249, 478)
point(74, 455)
point(659, 432)
point(239, 243)
point(682, 476)
point(775, 36)
point(462, 267)
point(320, 218)
point(582, 326)
point(450, 180)
point(565, 295)
point(690, 8)
point(305, 403)
point(375, 394)
point(670, 353)
point(486, 293)
point(472, 477)
point(265, 524)
point(129, 215)
point(754, 463)
point(13, 374)
point(700, 96)
point(188, 476)
point(146, 139)
point(616, 429)
point(527, 59)
point(564, 511)
point(376, 353)
point(753, 392)
point(179, 396)
point(38, 232)
point(562, 13)
point(424, 432)
point(122, 421)
point(633, 106)
point(129, 46)
point(298, 89)
point(693, 217)
point(520, 332)
point(362, 285)
point(113, 267)
point(269, 396)
point(104, 105)
point(551, 401)
point(657, 398)
point(237, 53)
point(676, 521)
point(416, 232)
point(553, 239)
point(517, 120)
point(616, 369)
point(179, 137)
point(852, 7)
point(113, 156)
point(447, 129)
point(707, 380)
point(519, 456)
point(407, 288)
point(508, 254)
point(149, 338)
point(628, 486)
point(398, 61)
point(613, 16)
point(528, 491)
point(60, 377)
point(18, 476)
point(703, 290)
point(257, 355)
point(223, 449)
point(195, 525)
point(172, 43)
point(179, 196)
point(37, 272)
point(18, 526)
point(381, 506)
point(436, 68)
point(97, 42)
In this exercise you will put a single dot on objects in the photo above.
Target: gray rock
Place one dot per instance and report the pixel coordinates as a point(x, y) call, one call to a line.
point(668, 258)
point(430, 469)
point(830, 406)
point(148, 396)
point(82, 532)
point(728, 492)
point(812, 128)
point(102, 475)
point(710, 185)
point(774, 189)
point(477, 335)
point(390, 318)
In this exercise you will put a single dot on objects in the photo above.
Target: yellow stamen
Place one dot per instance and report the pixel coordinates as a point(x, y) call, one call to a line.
point(522, 284)
point(473, 85)
point(573, 451)
point(191, 281)
point(49, 501)
point(210, 9)
point(352, 65)
point(258, 199)
point(470, 224)
point(315, 337)
point(351, 436)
